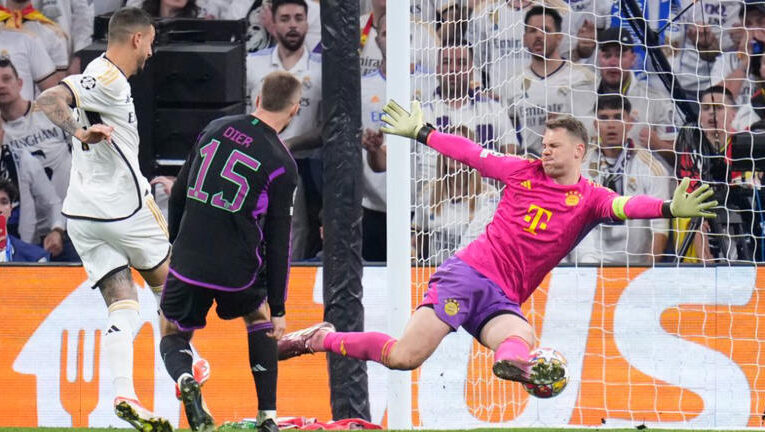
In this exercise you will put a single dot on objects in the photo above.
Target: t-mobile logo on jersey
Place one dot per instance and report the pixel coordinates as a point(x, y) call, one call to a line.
point(536, 219)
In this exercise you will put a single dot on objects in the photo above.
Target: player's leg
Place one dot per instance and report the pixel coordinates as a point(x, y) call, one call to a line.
point(148, 248)
point(263, 364)
point(511, 338)
point(156, 278)
point(422, 335)
point(124, 321)
point(184, 308)
point(107, 269)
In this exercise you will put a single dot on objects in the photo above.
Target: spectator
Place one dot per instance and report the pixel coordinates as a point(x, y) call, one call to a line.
point(734, 70)
point(429, 11)
point(549, 85)
point(37, 217)
point(32, 62)
point(172, 8)
point(497, 33)
point(457, 103)
point(76, 19)
point(21, 15)
point(373, 203)
point(701, 40)
point(29, 129)
point(652, 110)
point(12, 249)
point(716, 118)
point(628, 169)
point(370, 55)
point(451, 201)
point(259, 17)
point(206, 9)
point(106, 6)
point(452, 24)
point(292, 55)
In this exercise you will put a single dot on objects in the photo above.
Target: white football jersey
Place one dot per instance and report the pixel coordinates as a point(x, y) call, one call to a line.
point(29, 57)
point(372, 101)
point(308, 71)
point(532, 99)
point(446, 225)
point(483, 116)
point(496, 30)
point(650, 107)
point(424, 48)
point(54, 40)
point(106, 183)
point(74, 16)
point(35, 133)
point(630, 241)
point(692, 72)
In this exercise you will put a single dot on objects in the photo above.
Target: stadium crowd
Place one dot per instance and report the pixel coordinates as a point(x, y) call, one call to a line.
point(491, 70)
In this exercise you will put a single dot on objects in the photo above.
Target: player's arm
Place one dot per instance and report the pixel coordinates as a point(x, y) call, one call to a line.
point(488, 163)
point(276, 234)
point(55, 103)
point(682, 204)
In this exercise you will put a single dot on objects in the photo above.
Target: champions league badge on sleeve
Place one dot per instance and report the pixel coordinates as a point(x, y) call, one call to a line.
point(87, 82)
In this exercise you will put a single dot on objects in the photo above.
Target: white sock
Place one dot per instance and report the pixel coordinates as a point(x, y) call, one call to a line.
point(266, 414)
point(157, 291)
point(118, 345)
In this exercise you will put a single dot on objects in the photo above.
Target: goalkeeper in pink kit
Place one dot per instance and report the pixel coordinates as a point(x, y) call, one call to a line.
point(546, 208)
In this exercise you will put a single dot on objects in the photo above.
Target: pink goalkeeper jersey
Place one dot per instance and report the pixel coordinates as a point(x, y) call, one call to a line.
point(536, 223)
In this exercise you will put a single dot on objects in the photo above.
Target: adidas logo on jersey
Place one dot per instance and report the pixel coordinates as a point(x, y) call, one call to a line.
point(258, 368)
point(526, 184)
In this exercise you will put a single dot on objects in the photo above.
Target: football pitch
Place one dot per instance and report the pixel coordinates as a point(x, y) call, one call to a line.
point(420, 430)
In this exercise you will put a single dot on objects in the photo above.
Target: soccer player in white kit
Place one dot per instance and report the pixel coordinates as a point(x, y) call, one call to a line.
point(112, 219)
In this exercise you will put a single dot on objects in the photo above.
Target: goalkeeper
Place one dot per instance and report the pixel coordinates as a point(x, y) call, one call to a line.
point(546, 208)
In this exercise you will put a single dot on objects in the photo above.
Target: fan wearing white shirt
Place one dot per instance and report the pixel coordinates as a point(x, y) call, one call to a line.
point(53, 37)
point(76, 19)
point(32, 62)
point(112, 219)
point(457, 103)
point(618, 163)
point(653, 111)
point(27, 127)
point(292, 55)
point(549, 85)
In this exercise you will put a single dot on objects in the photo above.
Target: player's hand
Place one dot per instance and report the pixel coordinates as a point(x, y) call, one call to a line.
point(692, 204)
point(400, 122)
point(165, 181)
point(54, 242)
point(372, 141)
point(280, 324)
point(95, 134)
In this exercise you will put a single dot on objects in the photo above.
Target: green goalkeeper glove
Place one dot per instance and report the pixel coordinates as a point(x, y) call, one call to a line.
point(692, 204)
point(400, 122)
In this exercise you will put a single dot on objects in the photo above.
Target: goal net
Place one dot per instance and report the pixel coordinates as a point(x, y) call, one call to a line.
point(496, 71)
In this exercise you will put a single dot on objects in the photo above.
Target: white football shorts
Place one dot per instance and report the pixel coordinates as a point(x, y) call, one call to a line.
point(140, 241)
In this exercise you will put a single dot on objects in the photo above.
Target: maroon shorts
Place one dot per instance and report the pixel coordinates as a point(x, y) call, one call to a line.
point(461, 296)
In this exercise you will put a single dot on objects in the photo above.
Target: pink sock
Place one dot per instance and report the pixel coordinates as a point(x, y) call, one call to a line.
point(513, 348)
point(363, 346)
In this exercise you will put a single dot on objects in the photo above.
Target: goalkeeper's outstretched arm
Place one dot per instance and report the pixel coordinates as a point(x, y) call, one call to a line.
point(683, 204)
point(410, 125)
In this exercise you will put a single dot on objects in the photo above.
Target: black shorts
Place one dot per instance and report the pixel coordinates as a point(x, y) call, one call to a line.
point(187, 305)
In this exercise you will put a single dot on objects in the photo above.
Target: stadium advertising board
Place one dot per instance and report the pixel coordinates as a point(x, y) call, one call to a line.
point(665, 347)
